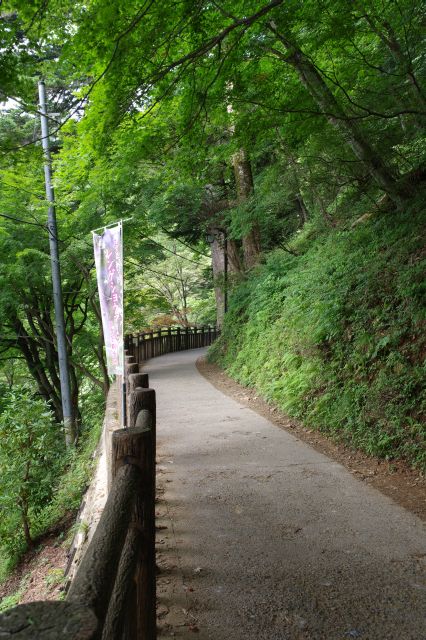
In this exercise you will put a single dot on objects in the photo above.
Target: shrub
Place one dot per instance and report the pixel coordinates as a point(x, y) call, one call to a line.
point(31, 458)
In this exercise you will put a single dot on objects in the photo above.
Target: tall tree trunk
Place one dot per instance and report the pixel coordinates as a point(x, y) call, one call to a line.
point(245, 187)
point(334, 112)
point(218, 267)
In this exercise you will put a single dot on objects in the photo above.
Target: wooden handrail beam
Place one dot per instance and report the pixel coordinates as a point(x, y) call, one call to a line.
point(95, 577)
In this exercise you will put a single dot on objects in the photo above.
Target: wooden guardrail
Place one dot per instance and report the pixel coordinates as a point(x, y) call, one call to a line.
point(150, 344)
point(113, 595)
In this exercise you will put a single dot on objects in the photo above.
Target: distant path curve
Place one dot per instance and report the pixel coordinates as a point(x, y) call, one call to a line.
point(263, 538)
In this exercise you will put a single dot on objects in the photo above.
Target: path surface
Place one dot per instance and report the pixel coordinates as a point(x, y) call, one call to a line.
point(268, 539)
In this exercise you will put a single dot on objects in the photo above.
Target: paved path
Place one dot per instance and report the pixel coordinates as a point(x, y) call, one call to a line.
point(267, 539)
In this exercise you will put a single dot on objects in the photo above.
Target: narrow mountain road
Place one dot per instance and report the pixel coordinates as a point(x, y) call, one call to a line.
point(260, 537)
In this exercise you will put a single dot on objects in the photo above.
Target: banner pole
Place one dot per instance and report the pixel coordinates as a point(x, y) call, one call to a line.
point(123, 392)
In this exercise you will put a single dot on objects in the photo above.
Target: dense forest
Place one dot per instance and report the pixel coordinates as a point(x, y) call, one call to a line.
point(270, 158)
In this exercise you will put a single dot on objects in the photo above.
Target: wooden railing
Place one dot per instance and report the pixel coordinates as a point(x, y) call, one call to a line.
point(150, 344)
point(113, 594)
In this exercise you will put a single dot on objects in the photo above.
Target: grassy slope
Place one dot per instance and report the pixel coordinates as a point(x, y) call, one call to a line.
point(336, 336)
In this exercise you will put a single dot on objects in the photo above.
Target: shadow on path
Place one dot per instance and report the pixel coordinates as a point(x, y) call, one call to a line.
point(263, 538)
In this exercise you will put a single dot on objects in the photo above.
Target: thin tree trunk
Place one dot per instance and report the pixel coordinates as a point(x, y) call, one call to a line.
point(23, 503)
point(303, 210)
point(218, 268)
point(25, 524)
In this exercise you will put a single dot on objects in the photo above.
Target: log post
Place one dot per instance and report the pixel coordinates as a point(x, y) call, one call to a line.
point(47, 620)
point(131, 368)
point(142, 399)
point(136, 446)
point(94, 581)
point(119, 392)
point(142, 348)
point(136, 380)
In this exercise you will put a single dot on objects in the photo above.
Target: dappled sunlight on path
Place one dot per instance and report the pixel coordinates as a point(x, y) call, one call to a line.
point(262, 537)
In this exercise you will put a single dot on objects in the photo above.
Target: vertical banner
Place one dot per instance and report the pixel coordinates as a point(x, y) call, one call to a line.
point(108, 248)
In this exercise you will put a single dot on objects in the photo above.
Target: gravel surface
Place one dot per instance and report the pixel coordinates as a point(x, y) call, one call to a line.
point(262, 537)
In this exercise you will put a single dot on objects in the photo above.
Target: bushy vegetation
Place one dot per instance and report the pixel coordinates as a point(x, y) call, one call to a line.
point(336, 335)
point(41, 482)
point(30, 462)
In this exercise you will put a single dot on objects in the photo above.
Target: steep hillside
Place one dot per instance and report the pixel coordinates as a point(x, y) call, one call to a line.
point(336, 334)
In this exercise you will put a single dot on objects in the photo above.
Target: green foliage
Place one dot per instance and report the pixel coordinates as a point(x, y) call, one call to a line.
point(30, 460)
point(54, 578)
point(336, 336)
point(57, 478)
point(13, 599)
point(78, 469)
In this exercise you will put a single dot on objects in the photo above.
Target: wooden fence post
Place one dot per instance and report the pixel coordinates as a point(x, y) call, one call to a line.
point(129, 360)
point(133, 602)
point(130, 368)
point(136, 380)
point(139, 400)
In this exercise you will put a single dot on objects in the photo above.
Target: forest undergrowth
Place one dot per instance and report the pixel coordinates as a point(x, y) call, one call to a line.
point(66, 476)
point(335, 335)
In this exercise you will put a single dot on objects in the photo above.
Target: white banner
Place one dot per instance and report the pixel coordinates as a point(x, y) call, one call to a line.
point(108, 248)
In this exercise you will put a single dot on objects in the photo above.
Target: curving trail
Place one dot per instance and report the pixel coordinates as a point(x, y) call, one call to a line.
point(262, 538)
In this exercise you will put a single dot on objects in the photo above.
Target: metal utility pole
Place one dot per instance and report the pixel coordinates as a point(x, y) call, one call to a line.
point(56, 276)
point(225, 265)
